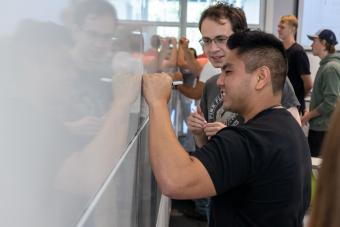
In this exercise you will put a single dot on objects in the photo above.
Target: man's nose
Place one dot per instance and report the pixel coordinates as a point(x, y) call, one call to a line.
point(220, 81)
point(214, 46)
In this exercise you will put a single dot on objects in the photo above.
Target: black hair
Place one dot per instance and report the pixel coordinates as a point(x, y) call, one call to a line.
point(257, 49)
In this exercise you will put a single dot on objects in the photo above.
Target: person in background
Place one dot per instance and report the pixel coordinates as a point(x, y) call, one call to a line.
point(258, 173)
point(326, 204)
point(326, 89)
point(151, 55)
point(298, 63)
point(168, 55)
point(187, 60)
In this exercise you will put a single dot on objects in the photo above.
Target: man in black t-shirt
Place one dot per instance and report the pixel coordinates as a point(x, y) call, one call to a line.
point(298, 63)
point(257, 173)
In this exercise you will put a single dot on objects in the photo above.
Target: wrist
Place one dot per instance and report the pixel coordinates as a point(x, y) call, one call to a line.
point(156, 104)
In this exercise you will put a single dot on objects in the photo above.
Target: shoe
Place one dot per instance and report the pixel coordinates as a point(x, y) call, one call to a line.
point(194, 215)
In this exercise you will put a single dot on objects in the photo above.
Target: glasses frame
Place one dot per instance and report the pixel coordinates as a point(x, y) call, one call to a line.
point(220, 41)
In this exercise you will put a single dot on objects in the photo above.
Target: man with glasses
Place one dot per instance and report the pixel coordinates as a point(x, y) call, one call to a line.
point(92, 25)
point(258, 173)
point(216, 24)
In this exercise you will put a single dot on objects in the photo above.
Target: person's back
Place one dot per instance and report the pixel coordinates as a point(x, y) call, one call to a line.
point(268, 185)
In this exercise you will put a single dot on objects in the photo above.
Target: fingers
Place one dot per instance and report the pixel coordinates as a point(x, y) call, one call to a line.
point(156, 87)
point(212, 128)
point(199, 110)
point(196, 123)
point(195, 117)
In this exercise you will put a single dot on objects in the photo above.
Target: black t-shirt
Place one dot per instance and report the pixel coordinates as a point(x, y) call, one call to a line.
point(261, 171)
point(298, 64)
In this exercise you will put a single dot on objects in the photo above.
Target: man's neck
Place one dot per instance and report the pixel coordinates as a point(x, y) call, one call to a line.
point(288, 42)
point(261, 106)
point(323, 54)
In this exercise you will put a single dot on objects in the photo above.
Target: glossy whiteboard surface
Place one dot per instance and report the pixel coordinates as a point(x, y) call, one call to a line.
point(70, 104)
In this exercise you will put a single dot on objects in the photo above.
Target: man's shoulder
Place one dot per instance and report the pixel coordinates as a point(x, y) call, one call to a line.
point(297, 48)
point(212, 80)
point(208, 71)
point(331, 67)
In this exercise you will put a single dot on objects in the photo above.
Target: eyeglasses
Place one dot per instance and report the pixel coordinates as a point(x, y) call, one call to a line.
point(219, 40)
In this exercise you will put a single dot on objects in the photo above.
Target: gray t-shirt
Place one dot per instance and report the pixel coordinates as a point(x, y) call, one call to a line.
point(212, 103)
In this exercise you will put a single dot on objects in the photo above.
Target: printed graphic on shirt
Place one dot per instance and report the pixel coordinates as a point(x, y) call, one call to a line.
point(216, 112)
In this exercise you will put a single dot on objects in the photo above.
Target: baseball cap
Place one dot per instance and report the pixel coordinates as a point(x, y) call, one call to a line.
point(325, 34)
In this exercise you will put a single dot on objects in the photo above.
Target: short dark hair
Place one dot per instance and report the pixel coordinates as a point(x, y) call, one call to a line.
point(89, 7)
point(223, 10)
point(257, 48)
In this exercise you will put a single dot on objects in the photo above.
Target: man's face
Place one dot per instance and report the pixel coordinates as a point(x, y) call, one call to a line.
point(285, 30)
point(94, 38)
point(217, 34)
point(234, 83)
point(317, 47)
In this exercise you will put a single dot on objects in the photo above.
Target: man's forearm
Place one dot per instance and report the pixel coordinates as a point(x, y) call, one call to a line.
point(192, 92)
point(168, 158)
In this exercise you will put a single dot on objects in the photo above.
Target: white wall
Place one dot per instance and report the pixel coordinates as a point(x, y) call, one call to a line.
point(274, 10)
point(314, 63)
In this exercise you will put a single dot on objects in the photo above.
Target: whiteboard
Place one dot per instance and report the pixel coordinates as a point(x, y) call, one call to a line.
point(316, 14)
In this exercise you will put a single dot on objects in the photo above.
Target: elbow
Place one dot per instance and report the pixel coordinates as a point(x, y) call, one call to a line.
point(169, 188)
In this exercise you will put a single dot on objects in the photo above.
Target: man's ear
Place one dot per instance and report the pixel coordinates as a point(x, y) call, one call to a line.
point(294, 30)
point(263, 77)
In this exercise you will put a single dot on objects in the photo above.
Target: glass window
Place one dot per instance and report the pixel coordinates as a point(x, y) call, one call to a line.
point(148, 10)
point(195, 8)
point(155, 13)
point(128, 10)
point(194, 35)
point(250, 7)
point(168, 31)
point(163, 31)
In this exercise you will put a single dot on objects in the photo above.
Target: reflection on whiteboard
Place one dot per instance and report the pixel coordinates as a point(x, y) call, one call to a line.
point(317, 14)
